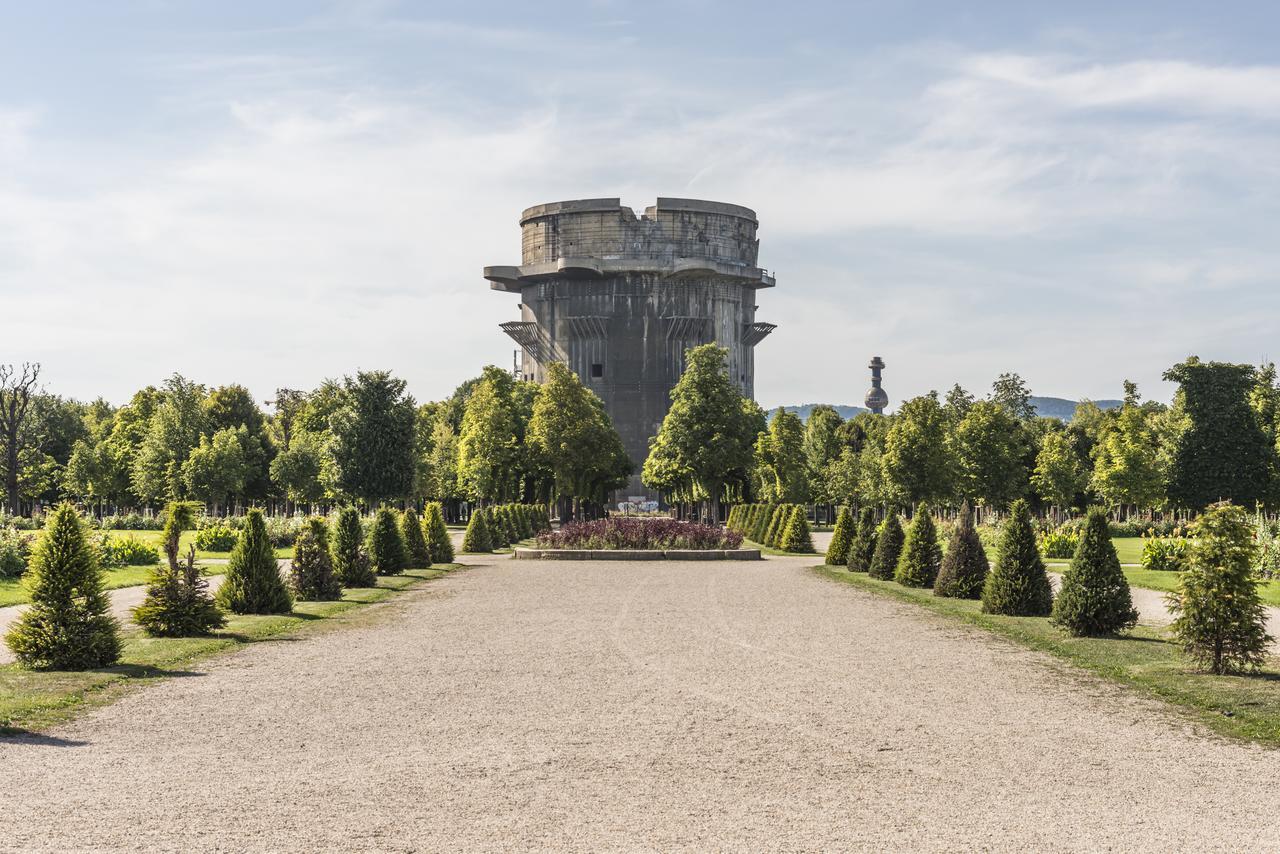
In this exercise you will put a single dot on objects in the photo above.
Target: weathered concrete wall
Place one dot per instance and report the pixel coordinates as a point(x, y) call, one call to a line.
point(620, 298)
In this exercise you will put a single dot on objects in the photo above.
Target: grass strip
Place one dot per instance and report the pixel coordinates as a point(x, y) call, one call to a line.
point(1245, 707)
point(32, 700)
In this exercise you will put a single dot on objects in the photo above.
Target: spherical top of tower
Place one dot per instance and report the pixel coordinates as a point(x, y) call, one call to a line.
point(877, 399)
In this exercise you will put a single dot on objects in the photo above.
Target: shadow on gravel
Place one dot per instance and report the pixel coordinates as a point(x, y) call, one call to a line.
point(148, 671)
point(36, 739)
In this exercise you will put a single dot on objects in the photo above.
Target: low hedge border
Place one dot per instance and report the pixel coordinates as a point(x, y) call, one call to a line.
point(637, 554)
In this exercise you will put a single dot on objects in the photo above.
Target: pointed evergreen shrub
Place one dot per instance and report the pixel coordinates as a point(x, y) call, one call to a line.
point(417, 552)
point(797, 537)
point(888, 549)
point(838, 550)
point(781, 515)
point(68, 625)
point(524, 526)
point(350, 560)
point(761, 527)
point(509, 524)
point(312, 567)
point(964, 566)
point(863, 547)
point(476, 540)
point(386, 547)
point(178, 603)
point(437, 533)
point(921, 554)
point(1219, 620)
point(1018, 585)
point(253, 584)
point(1094, 598)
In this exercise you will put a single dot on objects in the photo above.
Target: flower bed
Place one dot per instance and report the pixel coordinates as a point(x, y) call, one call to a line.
point(639, 535)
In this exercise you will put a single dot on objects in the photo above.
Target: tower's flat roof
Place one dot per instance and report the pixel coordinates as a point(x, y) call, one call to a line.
point(664, 203)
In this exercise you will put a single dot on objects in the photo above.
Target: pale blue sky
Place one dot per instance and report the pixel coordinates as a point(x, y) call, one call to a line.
point(273, 193)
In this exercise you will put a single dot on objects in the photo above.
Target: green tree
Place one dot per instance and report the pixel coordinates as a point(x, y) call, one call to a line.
point(822, 449)
point(68, 625)
point(350, 560)
point(964, 567)
point(216, 471)
point(1094, 599)
point(178, 603)
point(298, 469)
point(915, 461)
point(889, 539)
point(314, 579)
point(841, 537)
point(1018, 585)
point(1011, 393)
point(476, 539)
point(17, 388)
point(172, 431)
point(706, 438)
point(863, 549)
point(439, 545)
point(780, 460)
point(1219, 620)
point(1127, 468)
point(797, 536)
point(988, 446)
point(386, 545)
point(1060, 475)
point(373, 437)
point(487, 444)
point(1224, 454)
point(921, 554)
point(415, 543)
point(253, 584)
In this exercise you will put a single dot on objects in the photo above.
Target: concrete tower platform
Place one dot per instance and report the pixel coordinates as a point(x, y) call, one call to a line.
point(619, 298)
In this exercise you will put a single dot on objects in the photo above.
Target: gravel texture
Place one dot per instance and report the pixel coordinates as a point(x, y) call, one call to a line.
point(587, 706)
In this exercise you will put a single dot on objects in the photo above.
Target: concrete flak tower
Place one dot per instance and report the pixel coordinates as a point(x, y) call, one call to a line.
point(877, 399)
point(620, 298)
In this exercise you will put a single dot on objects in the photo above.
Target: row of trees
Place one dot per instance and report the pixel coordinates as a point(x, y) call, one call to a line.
point(1217, 441)
point(362, 439)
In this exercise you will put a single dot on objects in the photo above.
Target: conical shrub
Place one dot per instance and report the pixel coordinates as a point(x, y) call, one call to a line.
point(510, 527)
point(253, 584)
point(761, 527)
point(437, 534)
point(68, 625)
point(350, 560)
point(921, 554)
point(841, 537)
point(524, 525)
point(417, 552)
point(781, 515)
point(178, 603)
point(863, 547)
point(1219, 620)
point(1094, 598)
point(312, 567)
point(1018, 585)
point(888, 549)
point(797, 537)
point(964, 566)
point(476, 540)
point(386, 547)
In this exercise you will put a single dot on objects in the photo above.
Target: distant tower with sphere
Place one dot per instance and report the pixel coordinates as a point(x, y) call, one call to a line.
point(876, 399)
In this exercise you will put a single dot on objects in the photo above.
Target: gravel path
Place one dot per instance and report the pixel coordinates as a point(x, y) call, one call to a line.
point(586, 706)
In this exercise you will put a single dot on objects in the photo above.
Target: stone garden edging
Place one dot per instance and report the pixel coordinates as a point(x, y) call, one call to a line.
point(636, 554)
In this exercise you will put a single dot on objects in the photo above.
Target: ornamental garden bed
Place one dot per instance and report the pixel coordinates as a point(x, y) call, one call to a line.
point(624, 538)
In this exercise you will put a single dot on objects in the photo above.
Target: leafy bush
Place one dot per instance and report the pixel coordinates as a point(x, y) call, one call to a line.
point(964, 567)
point(921, 554)
point(1094, 599)
point(1018, 585)
point(15, 552)
point(838, 550)
point(1219, 620)
point(1060, 543)
point(132, 522)
point(889, 539)
point(477, 540)
point(216, 538)
point(312, 567)
point(253, 584)
point(126, 551)
point(640, 533)
point(386, 544)
point(68, 625)
point(350, 560)
point(1165, 554)
point(283, 531)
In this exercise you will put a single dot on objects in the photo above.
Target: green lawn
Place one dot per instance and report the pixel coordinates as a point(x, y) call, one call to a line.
point(36, 700)
point(1239, 706)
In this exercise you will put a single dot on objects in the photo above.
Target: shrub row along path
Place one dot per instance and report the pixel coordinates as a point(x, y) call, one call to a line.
point(588, 705)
